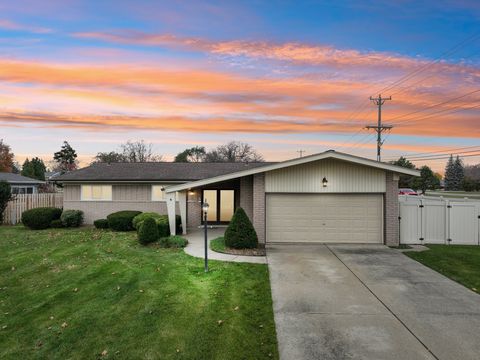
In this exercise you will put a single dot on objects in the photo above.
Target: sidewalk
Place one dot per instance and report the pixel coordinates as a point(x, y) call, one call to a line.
point(196, 247)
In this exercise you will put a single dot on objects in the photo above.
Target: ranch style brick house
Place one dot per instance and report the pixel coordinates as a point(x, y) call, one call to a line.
point(327, 197)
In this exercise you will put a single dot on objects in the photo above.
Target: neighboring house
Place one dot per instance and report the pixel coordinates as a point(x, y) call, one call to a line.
point(327, 197)
point(21, 184)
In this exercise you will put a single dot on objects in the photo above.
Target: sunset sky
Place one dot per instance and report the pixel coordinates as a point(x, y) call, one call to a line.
point(280, 75)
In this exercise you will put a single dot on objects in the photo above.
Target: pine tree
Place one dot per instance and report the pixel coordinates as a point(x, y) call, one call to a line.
point(27, 169)
point(66, 158)
point(459, 173)
point(449, 177)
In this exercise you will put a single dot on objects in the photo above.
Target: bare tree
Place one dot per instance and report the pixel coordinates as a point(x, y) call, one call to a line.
point(234, 151)
point(138, 151)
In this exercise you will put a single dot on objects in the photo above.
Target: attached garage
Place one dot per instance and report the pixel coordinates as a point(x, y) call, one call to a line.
point(330, 218)
point(329, 197)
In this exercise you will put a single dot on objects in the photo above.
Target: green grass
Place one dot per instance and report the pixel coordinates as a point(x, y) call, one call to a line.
point(458, 262)
point(218, 244)
point(135, 302)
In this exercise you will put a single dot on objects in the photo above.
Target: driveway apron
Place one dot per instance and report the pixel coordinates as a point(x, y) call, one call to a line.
point(368, 302)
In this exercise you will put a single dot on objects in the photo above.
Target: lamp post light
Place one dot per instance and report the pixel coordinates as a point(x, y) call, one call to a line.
point(205, 212)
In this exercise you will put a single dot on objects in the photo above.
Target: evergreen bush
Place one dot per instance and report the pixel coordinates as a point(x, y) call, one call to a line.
point(240, 233)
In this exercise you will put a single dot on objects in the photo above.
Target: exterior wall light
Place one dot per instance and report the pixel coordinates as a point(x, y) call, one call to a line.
point(191, 192)
point(324, 182)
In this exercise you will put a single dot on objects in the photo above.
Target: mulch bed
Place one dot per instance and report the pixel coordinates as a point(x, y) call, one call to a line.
point(246, 252)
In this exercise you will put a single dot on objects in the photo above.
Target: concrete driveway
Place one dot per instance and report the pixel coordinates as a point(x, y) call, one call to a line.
point(368, 302)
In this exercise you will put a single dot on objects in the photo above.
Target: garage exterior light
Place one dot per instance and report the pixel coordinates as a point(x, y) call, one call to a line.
point(324, 182)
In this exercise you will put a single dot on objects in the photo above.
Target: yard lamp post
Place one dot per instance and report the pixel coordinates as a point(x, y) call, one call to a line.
point(205, 212)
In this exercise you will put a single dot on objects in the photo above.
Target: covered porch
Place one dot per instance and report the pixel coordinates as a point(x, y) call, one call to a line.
point(223, 197)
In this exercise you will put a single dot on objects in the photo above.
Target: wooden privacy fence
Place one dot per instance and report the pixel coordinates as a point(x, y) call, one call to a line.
point(437, 220)
point(22, 202)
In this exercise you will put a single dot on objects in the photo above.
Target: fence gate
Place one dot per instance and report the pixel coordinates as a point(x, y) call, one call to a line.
point(432, 220)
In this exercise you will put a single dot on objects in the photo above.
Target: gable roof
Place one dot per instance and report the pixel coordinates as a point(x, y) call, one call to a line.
point(153, 171)
point(18, 179)
point(329, 154)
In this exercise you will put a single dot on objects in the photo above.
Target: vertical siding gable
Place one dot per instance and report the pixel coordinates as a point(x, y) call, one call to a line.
point(342, 176)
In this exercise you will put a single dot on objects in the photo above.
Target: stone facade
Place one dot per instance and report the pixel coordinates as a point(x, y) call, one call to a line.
point(259, 206)
point(392, 236)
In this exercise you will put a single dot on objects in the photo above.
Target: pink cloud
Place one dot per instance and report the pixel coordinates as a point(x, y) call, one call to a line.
point(14, 26)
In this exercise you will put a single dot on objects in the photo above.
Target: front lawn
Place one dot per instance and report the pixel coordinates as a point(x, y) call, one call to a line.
point(87, 293)
point(458, 262)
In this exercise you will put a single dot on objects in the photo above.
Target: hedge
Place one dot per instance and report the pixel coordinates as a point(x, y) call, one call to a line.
point(240, 233)
point(174, 241)
point(122, 220)
point(40, 218)
point(148, 231)
point(101, 224)
point(161, 220)
point(140, 218)
point(72, 218)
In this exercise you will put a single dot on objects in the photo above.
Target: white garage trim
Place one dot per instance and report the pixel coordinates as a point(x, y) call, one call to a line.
point(324, 218)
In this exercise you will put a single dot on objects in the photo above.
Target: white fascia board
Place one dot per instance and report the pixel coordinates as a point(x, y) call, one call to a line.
point(293, 162)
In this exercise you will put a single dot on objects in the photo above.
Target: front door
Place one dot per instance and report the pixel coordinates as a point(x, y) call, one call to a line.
point(221, 205)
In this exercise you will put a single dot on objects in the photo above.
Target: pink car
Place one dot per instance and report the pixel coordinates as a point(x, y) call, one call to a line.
point(407, 192)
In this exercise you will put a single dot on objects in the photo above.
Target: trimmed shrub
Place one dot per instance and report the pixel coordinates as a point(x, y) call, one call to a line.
point(122, 220)
point(148, 231)
point(240, 233)
point(72, 218)
point(56, 224)
point(173, 242)
point(5, 197)
point(101, 224)
point(140, 218)
point(40, 218)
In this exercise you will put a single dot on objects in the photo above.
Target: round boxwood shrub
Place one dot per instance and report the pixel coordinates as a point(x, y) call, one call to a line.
point(40, 218)
point(174, 241)
point(72, 218)
point(148, 231)
point(139, 219)
point(240, 233)
point(101, 224)
point(122, 220)
point(56, 223)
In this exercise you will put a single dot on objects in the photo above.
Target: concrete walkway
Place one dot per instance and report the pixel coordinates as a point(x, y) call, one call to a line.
point(368, 302)
point(196, 247)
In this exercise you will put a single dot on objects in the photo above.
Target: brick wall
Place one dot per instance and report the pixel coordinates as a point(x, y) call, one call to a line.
point(194, 209)
point(391, 210)
point(246, 195)
point(259, 206)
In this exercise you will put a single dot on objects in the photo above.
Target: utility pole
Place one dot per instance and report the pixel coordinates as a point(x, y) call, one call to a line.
point(379, 128)
point(301, 152)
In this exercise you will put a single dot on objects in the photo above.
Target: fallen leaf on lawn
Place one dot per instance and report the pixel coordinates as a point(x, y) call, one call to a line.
point(64, 325)
point(158, 269)
point(75, 290)
point(220, 322)
point(118, 288)
point(261, 326)
point(4, 326)
point(104, 353)
point(39, 344)
point(236, 308)
point(113, 273)
point(49, 328)
point(178, 350)
point(51, 317)
point(141, 291)
point(13, 268)
point(474, 289)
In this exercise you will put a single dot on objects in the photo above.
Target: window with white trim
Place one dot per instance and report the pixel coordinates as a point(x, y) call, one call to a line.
point(159, 194)
point(96, 192)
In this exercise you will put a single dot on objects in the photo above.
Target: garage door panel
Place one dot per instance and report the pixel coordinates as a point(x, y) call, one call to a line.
point(349, 218)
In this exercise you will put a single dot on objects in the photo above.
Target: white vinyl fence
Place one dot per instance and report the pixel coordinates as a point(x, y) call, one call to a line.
point(437, 220)
point(22, 202)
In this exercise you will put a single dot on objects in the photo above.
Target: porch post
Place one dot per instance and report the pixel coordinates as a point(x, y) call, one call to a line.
point(171, 211)
point(182, 202)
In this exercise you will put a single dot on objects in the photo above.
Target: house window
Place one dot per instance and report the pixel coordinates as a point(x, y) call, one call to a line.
point(22, 190)
point(159, 194)
point(96, 192)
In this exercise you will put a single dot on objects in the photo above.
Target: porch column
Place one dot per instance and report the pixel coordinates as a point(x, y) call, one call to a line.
point(171, 211)
point(182, 203)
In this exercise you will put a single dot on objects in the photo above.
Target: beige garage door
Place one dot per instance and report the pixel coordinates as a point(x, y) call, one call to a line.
point(335, 218)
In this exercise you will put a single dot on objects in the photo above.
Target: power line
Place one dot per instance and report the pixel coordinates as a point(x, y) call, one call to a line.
point(447, 111)
point(445, 157)
point(438, 151)
point(442, 154)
